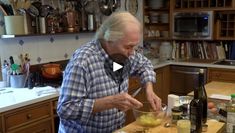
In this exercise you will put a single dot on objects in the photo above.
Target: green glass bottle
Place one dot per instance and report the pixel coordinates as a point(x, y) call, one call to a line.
point(202, 95)
point(196, 112)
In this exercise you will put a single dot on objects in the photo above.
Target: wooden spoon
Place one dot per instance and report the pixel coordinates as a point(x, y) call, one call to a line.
point(3, 11)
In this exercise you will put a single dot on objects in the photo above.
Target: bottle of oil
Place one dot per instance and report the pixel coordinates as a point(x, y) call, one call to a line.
point(203, 95)
point(195, 116)
point(230, 123)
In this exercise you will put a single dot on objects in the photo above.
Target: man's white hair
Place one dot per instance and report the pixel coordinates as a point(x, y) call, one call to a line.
point(113, 27)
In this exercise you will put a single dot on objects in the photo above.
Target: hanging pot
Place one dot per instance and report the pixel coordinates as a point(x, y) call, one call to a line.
point(51, 71)
point(105, 7)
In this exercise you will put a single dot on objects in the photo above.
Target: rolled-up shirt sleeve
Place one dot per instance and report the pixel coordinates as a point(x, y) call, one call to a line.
point(143, 67)
point(73, 102)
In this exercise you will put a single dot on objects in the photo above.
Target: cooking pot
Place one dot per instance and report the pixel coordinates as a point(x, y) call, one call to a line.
point(51, 71)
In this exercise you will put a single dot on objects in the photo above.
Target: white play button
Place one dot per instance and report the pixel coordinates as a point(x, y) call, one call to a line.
point(116, 66)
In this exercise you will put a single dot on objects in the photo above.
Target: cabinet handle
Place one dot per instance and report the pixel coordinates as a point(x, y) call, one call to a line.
point(29, 116)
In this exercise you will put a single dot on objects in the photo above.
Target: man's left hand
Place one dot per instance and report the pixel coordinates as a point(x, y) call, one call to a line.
point(154, 100)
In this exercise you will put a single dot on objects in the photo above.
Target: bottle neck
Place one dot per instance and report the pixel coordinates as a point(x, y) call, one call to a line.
point(201, 79)
point(196, 96)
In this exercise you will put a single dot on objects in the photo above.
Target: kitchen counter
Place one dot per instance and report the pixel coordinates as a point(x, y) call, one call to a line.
point(12, 98)
point(193, 63)
point(219, 90)
point(213, 127)
point(215, 90)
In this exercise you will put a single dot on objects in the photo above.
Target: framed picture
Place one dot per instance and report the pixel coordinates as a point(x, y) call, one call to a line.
point(132, 6)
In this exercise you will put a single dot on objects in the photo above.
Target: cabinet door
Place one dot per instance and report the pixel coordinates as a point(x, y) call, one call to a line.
point(225, 75)
point(134, 84)
point(1, 129)
point(163, 83)
point(42, 127)
point(56, 119)
point(26, 115)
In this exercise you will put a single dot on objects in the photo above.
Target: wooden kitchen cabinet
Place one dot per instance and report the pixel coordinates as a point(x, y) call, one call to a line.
point(34, 118)
point(156, 20)
point(202, 4)
point(56, 119)
point(1, 129)
point(40, 127)
point(162, 87)
point(225, 25)
point(221, 74)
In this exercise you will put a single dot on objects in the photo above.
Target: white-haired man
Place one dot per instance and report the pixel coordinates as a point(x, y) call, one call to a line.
point(91, 100)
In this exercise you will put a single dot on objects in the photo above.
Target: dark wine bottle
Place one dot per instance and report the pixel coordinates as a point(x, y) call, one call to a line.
point(202, 95)
point(196, 113)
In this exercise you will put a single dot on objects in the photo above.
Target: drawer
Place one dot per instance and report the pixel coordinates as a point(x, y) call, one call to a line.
point(222, 75)
point(26, 115)
point(40, 127)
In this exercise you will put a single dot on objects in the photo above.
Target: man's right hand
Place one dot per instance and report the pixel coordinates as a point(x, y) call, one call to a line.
point(124, 102)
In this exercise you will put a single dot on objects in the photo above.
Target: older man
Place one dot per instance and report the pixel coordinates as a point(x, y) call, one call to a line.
point(91, 99)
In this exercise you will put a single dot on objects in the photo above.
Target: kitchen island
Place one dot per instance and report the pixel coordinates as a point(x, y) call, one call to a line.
point(215, 90)
point(213, 127)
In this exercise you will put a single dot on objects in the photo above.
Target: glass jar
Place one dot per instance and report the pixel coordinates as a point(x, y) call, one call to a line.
point(165, 51)
point(176, 113)
point(231, 115)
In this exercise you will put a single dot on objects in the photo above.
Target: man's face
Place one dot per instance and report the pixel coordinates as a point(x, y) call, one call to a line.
point(126, 46)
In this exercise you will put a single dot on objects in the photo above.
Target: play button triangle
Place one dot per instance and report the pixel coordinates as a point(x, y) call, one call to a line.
point(116, 66)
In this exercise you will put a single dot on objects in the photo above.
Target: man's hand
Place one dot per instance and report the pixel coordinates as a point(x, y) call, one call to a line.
point(124, 102)
point(154, 100)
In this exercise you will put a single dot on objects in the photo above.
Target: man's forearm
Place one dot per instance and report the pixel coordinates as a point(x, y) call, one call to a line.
point(102, 104)
point(148, 86)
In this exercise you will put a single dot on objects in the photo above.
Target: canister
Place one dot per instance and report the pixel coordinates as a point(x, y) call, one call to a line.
point(91, 24)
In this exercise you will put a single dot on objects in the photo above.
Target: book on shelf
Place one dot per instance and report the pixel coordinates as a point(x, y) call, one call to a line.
point(203, 50)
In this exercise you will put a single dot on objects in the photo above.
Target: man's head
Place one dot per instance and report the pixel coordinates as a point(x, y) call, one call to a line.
point(120, 33)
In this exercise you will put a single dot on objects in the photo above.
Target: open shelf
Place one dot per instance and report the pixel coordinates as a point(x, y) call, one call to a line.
point(156, 20)
point(47, 34)
point(226, 25)
point(184, 4)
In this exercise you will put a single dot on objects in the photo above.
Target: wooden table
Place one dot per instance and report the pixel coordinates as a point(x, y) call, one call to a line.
point(213, 127)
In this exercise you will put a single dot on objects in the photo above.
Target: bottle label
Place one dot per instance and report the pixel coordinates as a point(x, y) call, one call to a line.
point(231, 117)
point(230, 126)
point(193, 117)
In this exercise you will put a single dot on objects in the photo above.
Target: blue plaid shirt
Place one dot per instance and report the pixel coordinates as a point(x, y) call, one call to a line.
point(85, 80)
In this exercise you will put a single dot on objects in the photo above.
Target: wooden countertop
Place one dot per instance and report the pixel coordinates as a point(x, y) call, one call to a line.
point(213, 127)
point(221, 88)
point(214, 87)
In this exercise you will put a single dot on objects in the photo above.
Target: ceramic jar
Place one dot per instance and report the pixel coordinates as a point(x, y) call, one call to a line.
point(165, 51)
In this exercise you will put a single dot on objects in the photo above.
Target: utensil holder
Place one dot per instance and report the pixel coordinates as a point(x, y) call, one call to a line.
point(17, 81)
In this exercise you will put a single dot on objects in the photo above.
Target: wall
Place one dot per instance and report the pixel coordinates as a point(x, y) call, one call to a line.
point(43, 49)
